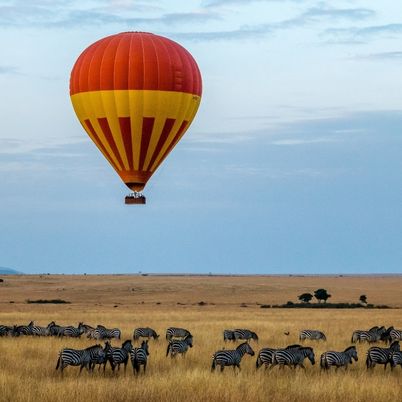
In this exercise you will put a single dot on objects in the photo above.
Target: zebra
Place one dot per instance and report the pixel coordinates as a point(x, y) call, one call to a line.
point(228, 335)
point(245, 334)
point(101, 332)
point(145, 333)
point(24, 329)
point(80, 357)
point(231, 357)
point(139, 357)
point(265, 355)
point(103, 359)
point(338, 359)
point(372, 335)
point(42, 331)
point(395, 335)
point(312, 334)
point(117, 356)
point(71, 331)
point(5, 330)
point(174, 332)
point(376, 355)
point(179, 346)
point(293, 357)
point(396, 359)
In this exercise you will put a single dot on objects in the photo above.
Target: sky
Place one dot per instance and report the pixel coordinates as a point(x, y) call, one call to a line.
point(292, 165)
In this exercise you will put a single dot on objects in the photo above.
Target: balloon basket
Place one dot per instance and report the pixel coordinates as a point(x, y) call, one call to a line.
point(135, 198)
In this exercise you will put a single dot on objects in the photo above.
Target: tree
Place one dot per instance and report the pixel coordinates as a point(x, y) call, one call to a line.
point(305, 297)
point(321, 294)
point(363, 299)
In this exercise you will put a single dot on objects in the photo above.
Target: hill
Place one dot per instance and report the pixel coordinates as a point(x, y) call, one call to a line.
point(9, 271)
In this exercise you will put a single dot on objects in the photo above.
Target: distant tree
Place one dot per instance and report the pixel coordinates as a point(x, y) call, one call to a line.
point(321, 294)
point(305, 297)
point(363, 299)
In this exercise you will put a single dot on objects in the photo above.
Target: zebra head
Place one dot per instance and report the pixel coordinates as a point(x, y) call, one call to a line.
point(309, 353)
point(395, 346)
point(154, 335)
point(352, 353)
point(189, 340)
point(254, 336)
point(144, 346)
point(245, 348)
point(127, 345)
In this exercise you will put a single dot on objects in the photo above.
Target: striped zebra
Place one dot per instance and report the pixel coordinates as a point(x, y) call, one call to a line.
point(231, 357)
point(101, 332)
point(376, 355)
point(5, 330)
point(42, 331)
point(338, 359)
point(396, 359)
point(293, 357)
point(245, 334)
point(80, 357)
point(229, 335)
point(139, 357)
point(179, 346)
point(265, 355)
point(395, 335)
point(372, 335)
point(174, 332)
point(71, 331)
point(312, 334)
point(117, 356)
point(24, 329)
point(145, 333)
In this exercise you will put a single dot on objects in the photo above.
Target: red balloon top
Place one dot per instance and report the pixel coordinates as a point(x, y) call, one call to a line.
point(136, 60)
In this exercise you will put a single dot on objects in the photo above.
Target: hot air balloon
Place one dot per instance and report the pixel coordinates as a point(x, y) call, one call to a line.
point(135, 94)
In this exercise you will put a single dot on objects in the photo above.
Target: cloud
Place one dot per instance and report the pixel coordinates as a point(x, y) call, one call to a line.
point(396, 55)
point(303, 141)
point(5, 70)
point(362, 34)
point(44, 14)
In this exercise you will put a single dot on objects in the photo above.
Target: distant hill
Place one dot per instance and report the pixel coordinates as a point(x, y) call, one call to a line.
point(9, 271)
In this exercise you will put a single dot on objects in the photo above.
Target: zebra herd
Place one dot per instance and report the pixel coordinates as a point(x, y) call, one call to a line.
point(180, 340)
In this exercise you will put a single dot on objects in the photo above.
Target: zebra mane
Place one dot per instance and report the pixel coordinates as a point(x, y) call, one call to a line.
point(296, 345)
point(241, 345)
point(350, 348)
point(394, 345)
point(305, 348)
point(94, 347)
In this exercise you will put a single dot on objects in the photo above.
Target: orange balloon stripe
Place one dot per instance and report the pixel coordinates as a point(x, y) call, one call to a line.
point(92, 133)
point(125, 129)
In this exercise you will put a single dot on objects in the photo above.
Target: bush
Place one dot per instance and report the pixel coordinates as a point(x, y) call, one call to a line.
point(48, 301)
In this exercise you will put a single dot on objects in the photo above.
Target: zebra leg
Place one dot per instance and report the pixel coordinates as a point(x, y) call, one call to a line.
point(213, 365)
point(222, 367)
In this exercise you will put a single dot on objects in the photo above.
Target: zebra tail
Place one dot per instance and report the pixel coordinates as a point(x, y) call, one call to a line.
point(368, 361)
point(136, 365)
point(258, 362)
point(323, 362)
point(58, 362)
point(168, 349)
point(213, 364)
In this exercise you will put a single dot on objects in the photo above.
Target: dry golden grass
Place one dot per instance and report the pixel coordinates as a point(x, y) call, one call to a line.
point(27, 365)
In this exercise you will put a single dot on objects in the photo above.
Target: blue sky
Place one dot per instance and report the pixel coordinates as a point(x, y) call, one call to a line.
point(292, 165)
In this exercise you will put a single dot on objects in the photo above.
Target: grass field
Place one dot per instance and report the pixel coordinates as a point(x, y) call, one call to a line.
point(27, 365)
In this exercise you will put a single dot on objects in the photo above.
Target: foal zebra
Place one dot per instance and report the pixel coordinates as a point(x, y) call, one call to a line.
point(179, 346)
point(376, 355)
point(245, 334)
point(139, 357)
point(80, 357)
point(338, 359)
point(174, 332)
point(231, 357)
point(293, 357)
point(117, 356)
point(265, 355)
point(144, 333)
point(312, 334)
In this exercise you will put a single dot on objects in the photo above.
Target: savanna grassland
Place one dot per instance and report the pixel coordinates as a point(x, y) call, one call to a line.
point(27, 365)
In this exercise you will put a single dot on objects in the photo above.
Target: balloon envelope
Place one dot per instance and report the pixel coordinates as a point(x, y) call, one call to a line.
point(135, 94)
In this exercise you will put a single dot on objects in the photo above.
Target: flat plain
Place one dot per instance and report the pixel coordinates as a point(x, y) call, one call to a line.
point(27, 365)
